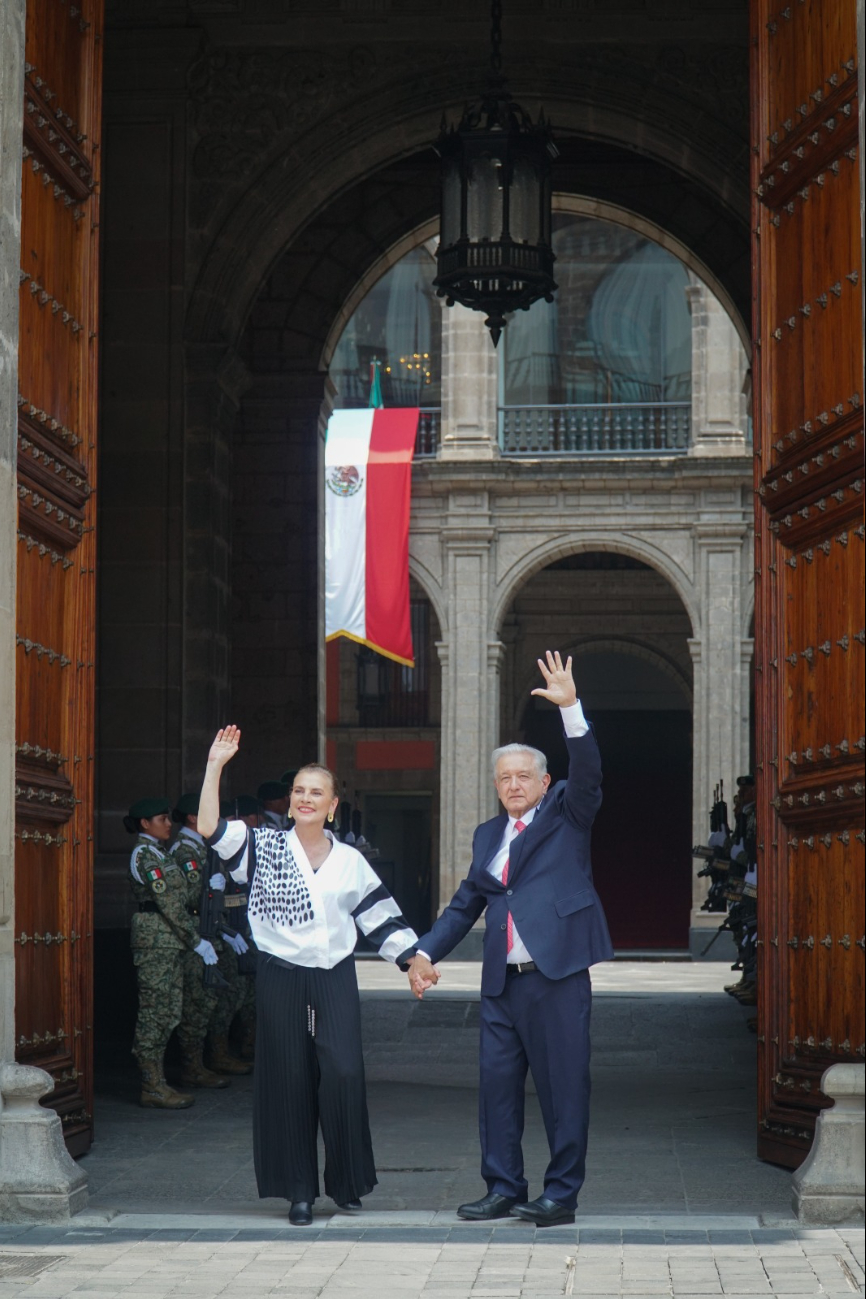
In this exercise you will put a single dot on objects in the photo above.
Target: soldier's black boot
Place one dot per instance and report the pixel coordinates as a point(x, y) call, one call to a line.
point(195, 1073)
point(248, 1043)
point(155, 1091)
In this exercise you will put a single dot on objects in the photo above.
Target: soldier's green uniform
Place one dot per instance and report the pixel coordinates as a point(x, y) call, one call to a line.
point(206, 1011)
point(199, 1001)
point(245, 808)
point(162, 930)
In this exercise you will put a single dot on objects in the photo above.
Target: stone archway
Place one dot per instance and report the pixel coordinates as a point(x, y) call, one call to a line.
point(628, 633)
point(255, 196)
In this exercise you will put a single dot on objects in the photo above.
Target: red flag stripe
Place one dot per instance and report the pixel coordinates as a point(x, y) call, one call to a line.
point(389, 489)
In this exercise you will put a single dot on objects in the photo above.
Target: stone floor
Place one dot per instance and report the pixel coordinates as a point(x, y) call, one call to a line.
point(675, 1202)
point(673, 1123)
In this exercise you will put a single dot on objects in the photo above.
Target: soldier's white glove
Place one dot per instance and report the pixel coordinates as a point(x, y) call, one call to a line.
point(218, 881)
point(206, 951)
point(236, 943)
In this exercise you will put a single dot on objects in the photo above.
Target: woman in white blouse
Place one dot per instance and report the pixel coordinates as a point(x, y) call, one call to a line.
point(307, 894)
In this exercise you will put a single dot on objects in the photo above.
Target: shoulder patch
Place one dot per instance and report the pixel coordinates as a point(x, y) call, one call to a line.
point(155, 878)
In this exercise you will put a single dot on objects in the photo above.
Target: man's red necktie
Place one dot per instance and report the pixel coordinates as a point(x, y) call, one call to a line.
point(519, 827)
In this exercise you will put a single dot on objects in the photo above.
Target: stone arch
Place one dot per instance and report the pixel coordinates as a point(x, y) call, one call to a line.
point(431, 588)
point(569, 203)
point(651, 230)
point(245, 231)
point(574, 543)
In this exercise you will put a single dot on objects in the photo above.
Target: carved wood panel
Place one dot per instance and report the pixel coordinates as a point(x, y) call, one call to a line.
point(809, 559)
point(57, 371)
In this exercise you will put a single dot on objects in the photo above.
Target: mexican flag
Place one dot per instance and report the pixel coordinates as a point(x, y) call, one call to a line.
point(368, 481)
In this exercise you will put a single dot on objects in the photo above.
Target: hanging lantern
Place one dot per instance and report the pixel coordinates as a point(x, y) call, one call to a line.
point(495, 251)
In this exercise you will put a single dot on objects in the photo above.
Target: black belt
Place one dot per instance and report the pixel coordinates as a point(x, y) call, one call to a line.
point(148, 907)
point(287, 965)
point(522, 967)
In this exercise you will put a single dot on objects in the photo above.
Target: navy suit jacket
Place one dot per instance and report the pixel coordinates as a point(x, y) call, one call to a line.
point(550, 893)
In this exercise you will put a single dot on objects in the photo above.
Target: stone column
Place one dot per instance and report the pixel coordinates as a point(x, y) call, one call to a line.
point(277, 576)
point(718, 372)
point(470, 382)
point(321, 664)
point(720, 719)
point(38, 1180)
point(828, 1188)
point(470, 661)
point(213, 389)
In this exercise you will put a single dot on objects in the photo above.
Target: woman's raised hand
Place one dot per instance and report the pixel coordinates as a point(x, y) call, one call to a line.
point(225, 746)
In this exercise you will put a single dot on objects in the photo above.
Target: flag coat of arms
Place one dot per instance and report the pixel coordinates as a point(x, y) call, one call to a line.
point(368, 484)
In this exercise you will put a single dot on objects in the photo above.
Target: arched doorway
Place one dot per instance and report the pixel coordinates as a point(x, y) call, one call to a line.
point(627, 631)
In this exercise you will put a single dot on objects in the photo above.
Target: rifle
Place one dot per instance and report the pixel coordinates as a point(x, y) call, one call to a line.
point(210, 923)
point(721, 929)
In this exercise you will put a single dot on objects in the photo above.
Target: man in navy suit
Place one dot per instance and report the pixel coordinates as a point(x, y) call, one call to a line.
point(544, 927)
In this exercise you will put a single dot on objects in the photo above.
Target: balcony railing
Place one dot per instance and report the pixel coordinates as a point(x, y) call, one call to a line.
point(600, 429)
point(615, 429)
point(427, 440)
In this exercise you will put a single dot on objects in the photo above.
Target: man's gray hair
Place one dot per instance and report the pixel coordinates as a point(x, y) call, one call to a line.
point(507, 749)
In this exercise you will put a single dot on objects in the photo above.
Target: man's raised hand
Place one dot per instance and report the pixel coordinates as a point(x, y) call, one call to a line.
point(422, 975)
point(224, 747)
point(559, 683)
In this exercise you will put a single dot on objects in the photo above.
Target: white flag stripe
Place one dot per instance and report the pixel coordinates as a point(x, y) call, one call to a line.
point(348, 440)
point(347, 446)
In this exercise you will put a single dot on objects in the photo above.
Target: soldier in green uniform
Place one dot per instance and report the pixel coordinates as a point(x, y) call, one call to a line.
point(743, 891)
point(243, 808)
point(162, 933)
point(207, 1012)
point(274, 798)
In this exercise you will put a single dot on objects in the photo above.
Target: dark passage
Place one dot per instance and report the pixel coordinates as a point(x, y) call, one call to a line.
point(642, 836)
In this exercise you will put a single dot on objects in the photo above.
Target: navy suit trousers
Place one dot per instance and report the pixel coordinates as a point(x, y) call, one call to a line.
point(541, 1024)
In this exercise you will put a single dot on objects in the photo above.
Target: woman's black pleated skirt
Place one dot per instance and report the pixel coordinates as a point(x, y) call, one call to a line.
point(310, 1072)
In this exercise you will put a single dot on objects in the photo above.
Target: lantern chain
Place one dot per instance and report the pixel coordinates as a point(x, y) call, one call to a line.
point(496, 37)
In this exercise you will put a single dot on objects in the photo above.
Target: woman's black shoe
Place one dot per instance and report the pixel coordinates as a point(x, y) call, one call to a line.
point(301, 1213)
point(352, 1205)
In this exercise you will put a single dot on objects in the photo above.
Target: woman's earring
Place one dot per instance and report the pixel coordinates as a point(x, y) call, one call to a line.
point(330, 816)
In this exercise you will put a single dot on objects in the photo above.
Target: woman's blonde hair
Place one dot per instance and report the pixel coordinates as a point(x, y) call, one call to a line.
point(318, 766)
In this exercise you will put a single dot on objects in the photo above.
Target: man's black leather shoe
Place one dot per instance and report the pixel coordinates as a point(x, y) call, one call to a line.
point(543, 1212)
point(352, 1206)
point(484, 1210)
point(301, 1213)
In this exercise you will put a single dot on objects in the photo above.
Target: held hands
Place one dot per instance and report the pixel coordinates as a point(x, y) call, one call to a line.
point(217, 882)
point(224, 747)
point(559, 682)
point(206, 951)
point(422, 975)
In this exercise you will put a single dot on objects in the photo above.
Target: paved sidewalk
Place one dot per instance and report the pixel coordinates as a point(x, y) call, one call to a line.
point(507, 1263)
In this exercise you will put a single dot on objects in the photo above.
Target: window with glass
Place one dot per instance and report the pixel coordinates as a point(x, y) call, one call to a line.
point(389, 693)
point(618, 330)
point(399, 325)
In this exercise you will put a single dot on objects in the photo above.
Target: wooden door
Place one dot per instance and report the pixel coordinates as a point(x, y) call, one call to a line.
point(809, 566)
point(57, 370)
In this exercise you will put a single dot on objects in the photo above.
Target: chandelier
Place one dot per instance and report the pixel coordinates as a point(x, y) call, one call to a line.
point(495, 253)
